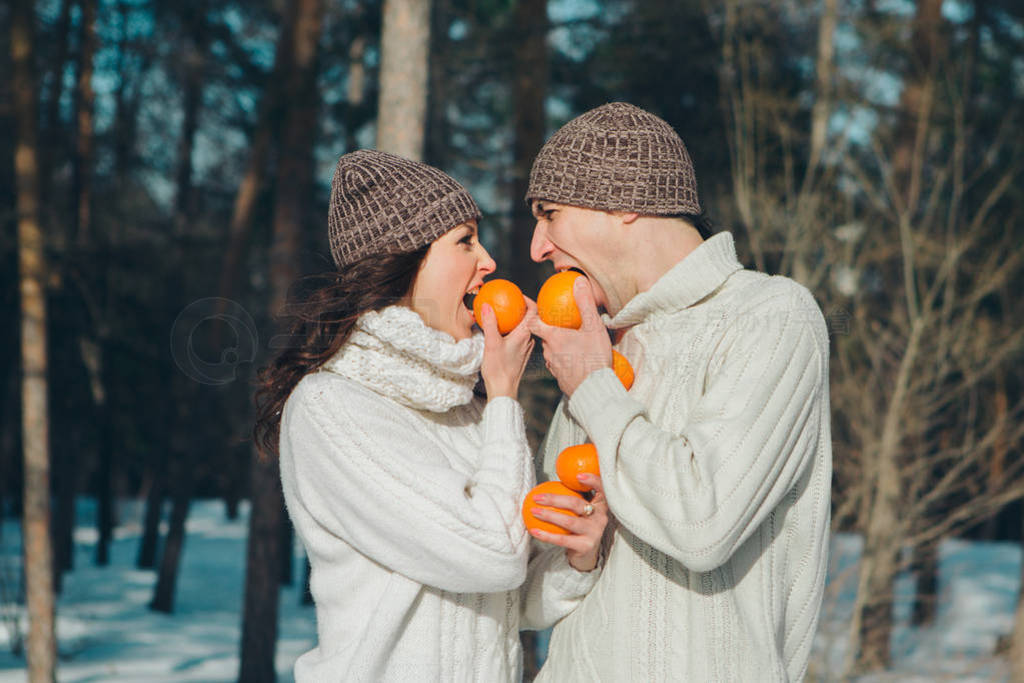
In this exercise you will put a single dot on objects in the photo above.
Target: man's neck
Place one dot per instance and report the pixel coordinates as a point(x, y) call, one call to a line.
point(661, 244)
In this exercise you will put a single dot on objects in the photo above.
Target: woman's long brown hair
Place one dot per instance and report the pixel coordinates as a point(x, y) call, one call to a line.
point(324, 309)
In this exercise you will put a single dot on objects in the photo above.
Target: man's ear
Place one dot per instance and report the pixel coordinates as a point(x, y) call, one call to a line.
point(629, 216)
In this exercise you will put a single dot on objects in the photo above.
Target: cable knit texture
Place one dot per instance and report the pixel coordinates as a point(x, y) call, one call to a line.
point(405, 492)
point(394, 353)
point(717, 465)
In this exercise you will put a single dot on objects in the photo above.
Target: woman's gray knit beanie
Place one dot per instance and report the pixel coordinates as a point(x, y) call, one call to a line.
point(616, 157)
point(384, 204)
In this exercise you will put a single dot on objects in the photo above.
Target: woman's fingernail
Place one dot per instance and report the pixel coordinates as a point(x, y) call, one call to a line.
point(541, 499)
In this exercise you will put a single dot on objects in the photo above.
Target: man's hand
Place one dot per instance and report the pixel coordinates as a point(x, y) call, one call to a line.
point(569, 354)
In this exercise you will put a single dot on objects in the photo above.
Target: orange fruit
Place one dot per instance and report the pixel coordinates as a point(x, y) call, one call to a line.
point(549, 487)
point(507, 301)
point(555, 303)
point(623, 369)
point(575, 460)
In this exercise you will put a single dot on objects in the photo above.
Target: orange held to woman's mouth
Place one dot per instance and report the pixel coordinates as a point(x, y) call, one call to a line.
point(555, 488)
point(506, 299)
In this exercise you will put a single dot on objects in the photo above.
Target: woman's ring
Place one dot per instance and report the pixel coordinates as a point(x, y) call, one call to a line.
point(588, 510)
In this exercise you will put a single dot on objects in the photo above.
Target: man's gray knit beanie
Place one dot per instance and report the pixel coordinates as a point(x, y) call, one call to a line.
point(616, 157)
point(385, 204)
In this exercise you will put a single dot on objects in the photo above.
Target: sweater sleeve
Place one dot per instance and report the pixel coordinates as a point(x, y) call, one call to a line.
point(699, 491)
point(553, 587)
point(363, 473)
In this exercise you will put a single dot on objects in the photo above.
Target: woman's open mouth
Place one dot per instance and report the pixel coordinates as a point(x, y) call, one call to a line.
point(467, 299)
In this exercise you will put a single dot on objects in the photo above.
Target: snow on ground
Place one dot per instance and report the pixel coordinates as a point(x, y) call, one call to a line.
point(107, 633)
point(978, 585)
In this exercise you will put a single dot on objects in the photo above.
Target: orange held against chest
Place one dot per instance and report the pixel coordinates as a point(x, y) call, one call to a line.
point(576, 460)
point(555, 488)
point(572, 461)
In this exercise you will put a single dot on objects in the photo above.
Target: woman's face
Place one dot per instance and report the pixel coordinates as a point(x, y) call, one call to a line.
point(455, 266)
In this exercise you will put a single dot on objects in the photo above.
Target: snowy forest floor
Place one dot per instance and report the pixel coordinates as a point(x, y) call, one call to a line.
point(107, 633)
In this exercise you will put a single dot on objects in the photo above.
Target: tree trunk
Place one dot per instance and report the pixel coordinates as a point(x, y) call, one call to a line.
point(294, 184)
point(926, 595)
point(437, 140)
point(38, 560)
point(10, 434)
point(287, 560)
point(182, 390)
point(65, 479)
point(271, 108)
point(917, 98)
point(105, 456)
point(307, 594)
point(92, 345)
point(1017, 637)
point(170, 560)
point(404, 53)
point(356, 92)
point(84, 96)
point(92, 357)
point(262, 573)
point(874, 608)
point(823, 83)
point(1000, 455)
point(127, 99)
point(194, 71)
point(530, 88)
point(871, 624)
point(231, 501)
point(146, 558)
point(56, 90)
point(240, 228)
point(54, 147)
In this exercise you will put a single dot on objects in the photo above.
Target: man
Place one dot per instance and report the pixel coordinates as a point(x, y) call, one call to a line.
point(717, 464)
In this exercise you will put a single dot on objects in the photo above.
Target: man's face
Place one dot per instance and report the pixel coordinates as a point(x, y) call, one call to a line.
point(583, 239)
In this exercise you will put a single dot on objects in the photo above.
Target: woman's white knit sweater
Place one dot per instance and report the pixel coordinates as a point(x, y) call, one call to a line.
point(717, 466)
point(405, 491)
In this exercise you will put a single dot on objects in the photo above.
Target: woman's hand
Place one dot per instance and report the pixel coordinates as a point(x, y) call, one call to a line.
point(505, 357)
point(583, 543)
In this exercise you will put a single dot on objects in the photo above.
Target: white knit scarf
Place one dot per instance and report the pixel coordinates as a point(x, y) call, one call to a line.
point(393, 352)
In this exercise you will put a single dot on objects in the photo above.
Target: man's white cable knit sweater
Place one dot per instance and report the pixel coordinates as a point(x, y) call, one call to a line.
point(405, 491)
point(717, 465)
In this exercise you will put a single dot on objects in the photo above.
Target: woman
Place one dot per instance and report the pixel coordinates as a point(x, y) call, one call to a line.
point(404, 486)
